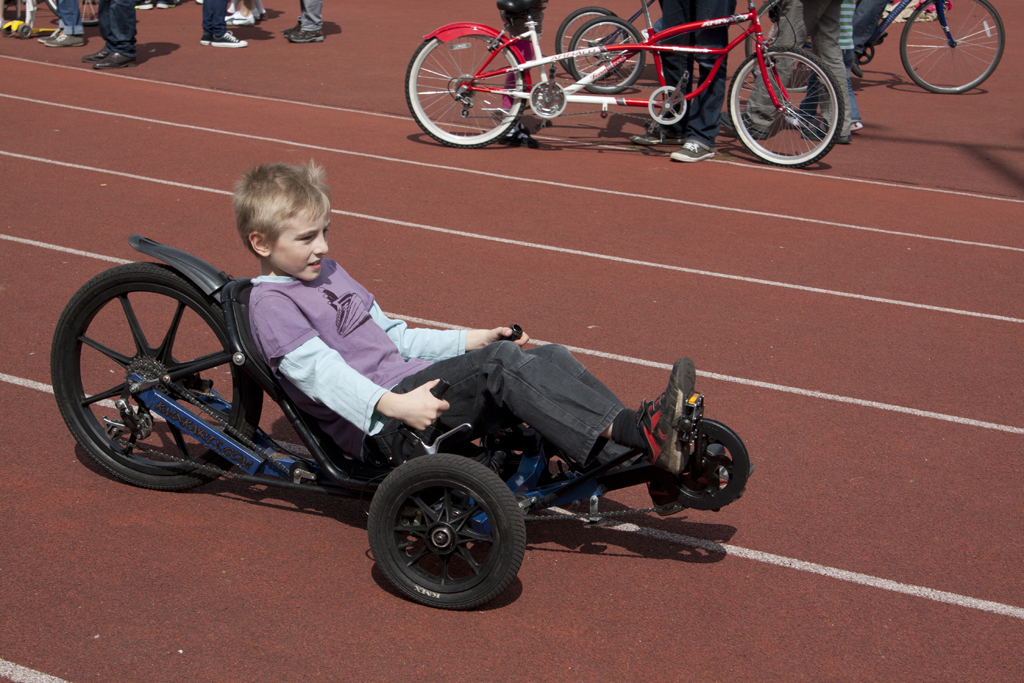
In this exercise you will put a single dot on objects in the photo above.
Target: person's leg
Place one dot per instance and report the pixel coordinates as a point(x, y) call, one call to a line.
point(118, 29)
point(705, 112)
point(791, 34)
point(851, 99)
point(214, 23)
point(865, 21)
point(70, 17)
point(821, 17)
point(311, 18)
point(674, 13)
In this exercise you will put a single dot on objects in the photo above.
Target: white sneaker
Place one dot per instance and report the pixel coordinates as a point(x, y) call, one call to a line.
point(237, 19)
point(693, 150)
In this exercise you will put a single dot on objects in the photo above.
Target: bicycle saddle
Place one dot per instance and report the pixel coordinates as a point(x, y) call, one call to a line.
point(515, 6)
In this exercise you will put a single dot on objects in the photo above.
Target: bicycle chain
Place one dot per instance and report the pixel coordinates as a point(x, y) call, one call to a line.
point(674, 507)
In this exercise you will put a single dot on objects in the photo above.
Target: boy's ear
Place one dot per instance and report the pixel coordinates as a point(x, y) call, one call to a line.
point(259, 244)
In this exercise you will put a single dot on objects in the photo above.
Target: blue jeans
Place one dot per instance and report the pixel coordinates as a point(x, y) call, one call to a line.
point(865, 21)
point(70, 17)
point(501, 385)
point(117, 25)
point(213, 18)
point(704, 113)
point(851, 100)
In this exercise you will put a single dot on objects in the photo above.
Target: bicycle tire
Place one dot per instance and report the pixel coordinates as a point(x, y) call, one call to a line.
point(937, 67)
point(446, 531)
point(105, 330)
point(90, 11)
point(793, 136)
point(567, 29)
point(433, 91)
point(604, 32)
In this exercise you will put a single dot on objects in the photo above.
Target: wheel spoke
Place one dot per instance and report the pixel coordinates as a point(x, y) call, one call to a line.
point(426, 509)
point(164, 353)
point(110, 353)
point(142, 346)
point(469, 560)
point(416, 558)
point(96, 398)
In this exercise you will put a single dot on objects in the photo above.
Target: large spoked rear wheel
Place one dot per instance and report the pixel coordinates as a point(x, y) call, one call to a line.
point(804, 128)
point(450, 103)
point(145, 319)
point(607, 32)
point(720, 475)
point(446, 531)
point(572, 23)
point(939, 67)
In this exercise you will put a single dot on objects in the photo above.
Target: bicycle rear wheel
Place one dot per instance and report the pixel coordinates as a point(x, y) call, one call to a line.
point(572, 23)
point(939, 67)
point(607, 32)
point(450, 103)
point(804, 127)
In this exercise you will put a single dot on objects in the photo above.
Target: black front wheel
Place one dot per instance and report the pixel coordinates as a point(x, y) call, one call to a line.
point(718, 474)
point(446, 531)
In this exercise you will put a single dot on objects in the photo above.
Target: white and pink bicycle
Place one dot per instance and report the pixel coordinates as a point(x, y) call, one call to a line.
point(468, 84)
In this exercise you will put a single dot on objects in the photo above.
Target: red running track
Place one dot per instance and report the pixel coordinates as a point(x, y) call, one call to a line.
point(879, 539)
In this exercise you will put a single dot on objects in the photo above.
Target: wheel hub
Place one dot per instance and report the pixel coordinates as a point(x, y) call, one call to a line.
point(442, 538)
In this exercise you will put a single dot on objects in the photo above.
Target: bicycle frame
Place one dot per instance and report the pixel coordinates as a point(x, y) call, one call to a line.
point(650, 45)
point(940, 7)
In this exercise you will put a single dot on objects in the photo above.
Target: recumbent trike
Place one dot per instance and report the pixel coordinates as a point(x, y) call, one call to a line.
point(155, 375)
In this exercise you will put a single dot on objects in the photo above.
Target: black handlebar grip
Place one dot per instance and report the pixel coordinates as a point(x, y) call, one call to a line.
point(439, 389)
point(517, 332)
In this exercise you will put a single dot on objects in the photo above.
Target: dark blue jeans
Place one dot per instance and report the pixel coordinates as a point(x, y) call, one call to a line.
point(117, 25)
point(70, 17)
point(213, 17)
point(865, 21)
point(501, 385)
point(704, 113)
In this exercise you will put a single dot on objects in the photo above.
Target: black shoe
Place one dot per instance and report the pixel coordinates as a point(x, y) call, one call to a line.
point(288, 32)
point(301, 36)
point(844, 139)
point(114, 60)
point(517, 136)
point(657, 136)
point(96, 56)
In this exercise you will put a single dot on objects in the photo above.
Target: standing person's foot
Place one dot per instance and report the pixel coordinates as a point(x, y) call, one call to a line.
point(226, 40)
point(166, 4)
point(658, 136)
point(693, 150)
point(301, 36)
point(144, 4)
point(658, 419)
point(115, 60)
point(62, 39)
point(96, 56)
point(237, 19)
point(49, 36)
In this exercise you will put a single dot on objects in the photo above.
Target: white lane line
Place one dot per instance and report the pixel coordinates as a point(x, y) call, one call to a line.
point(758, 167)
point(20, 674)
point(519, 179)
point(820, 569)
point(711, 546)
point(561, 250)
point(66, 250)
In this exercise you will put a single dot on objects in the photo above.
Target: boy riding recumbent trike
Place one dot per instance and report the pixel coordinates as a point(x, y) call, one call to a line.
point(155, 373)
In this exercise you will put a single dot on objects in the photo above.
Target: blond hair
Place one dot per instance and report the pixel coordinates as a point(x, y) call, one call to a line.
point(270, 195)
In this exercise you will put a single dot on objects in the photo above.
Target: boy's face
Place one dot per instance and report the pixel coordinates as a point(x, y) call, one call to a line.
point(298, 249)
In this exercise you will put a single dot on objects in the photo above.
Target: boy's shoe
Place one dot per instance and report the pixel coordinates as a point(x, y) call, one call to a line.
point(658, 136)
point(855, 126)
point(301, 36)
point(226, 40)
point(96, 56)
point(144, 4)
point(658, 420)
point(115, 60)
point(693, 150)
point(61, 39)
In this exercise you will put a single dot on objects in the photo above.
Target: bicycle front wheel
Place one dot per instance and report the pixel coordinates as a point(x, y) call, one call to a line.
point(804, 127)
point(607, 32)
point(572, 23)
point(945, 66)
point(448, 99)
